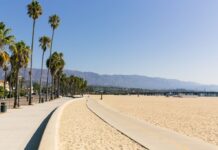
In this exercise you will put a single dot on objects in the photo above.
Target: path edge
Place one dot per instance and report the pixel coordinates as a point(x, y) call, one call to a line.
point(50, 137)
point(111, 125)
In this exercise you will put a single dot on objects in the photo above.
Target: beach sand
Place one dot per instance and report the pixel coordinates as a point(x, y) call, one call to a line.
point(82, 129)
point(196, 117)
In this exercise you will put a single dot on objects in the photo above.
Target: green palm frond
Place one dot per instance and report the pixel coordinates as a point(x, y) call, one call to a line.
point(45, 42)
point(20, 55)
point(5, 38)
point(54, 21)
point(34, 10)
point(56, 63)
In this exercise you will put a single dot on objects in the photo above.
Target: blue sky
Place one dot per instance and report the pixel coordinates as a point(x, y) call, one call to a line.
point(171, 39)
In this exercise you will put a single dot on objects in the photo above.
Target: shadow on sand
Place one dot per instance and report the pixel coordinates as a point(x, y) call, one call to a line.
point(34, 142)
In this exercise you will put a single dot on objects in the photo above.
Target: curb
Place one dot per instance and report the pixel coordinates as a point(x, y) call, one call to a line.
point(50, 138)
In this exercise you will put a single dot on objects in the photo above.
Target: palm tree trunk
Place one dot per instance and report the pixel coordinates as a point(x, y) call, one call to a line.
point(58, 94)
point(10, 86)
point(57, 87)
point(5, 83)
point(54, 87)
point(16, 92)
point(31, 63)
point(49, 66)
point(46, 98)
point(52, 83)
point(40, 84)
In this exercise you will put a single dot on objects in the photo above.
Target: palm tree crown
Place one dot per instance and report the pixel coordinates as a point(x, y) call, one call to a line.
point(54, 21)
point(4, 59)
point(20, 55)
point(45, 42)
point(55, 63)
point(34, 10)
point(5, 38)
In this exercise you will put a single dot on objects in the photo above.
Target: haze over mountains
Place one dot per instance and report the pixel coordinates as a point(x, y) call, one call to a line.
point(127, 81)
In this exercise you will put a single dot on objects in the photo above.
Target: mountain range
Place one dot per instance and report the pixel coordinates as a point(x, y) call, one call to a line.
point(127, 81)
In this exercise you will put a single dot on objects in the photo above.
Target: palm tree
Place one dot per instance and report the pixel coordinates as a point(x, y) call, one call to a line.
point(63, 83)
point(54, 21)
point(34, 12)
point(55, 63)
point(19, 59)
point(59, 73)
point(5, 40)
point(83, 86)
point(44, 44)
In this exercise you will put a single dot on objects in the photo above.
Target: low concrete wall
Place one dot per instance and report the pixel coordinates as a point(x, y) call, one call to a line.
point(50, 136)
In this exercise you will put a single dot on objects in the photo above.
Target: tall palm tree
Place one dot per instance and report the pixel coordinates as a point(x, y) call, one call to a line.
point(34, 10)
point(19, 59)
point(54, 64)
point(5, 40)
point(59, 72)
point(54, 21)
point(44, 44)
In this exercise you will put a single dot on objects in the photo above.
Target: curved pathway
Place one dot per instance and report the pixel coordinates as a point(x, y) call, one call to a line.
point(22, 128)
point(150, 136)
point(81, 129)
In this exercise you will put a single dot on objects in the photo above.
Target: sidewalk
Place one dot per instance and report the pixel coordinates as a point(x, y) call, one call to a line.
point(22, 128)
point(150, 136)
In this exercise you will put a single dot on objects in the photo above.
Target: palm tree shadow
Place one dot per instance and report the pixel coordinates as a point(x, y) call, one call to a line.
point(35, 140)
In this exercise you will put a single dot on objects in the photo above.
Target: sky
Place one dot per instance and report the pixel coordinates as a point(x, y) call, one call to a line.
point(170, 39)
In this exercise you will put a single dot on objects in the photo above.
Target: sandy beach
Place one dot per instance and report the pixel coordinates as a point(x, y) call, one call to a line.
point(81, 129)
point(196, 117)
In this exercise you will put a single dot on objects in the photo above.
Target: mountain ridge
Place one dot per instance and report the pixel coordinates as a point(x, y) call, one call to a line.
point(126, 81)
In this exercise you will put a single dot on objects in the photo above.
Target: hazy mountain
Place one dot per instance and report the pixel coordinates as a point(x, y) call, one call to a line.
point(128, 81)
point(137, 81)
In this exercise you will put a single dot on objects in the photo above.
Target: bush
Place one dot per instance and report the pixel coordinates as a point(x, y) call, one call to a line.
point(2, 92)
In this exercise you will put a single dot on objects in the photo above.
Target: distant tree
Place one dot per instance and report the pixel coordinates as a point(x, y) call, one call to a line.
point(83, 86)
point(36, 87)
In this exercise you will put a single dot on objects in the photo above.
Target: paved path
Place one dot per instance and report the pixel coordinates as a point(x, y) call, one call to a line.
point(150, 136)
point(22, 128)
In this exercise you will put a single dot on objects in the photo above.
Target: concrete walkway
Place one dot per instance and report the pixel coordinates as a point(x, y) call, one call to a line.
point(22, 128)
point(150, 136)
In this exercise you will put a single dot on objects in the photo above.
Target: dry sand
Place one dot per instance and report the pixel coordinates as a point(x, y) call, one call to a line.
point(81, 129)
point(196, 117)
